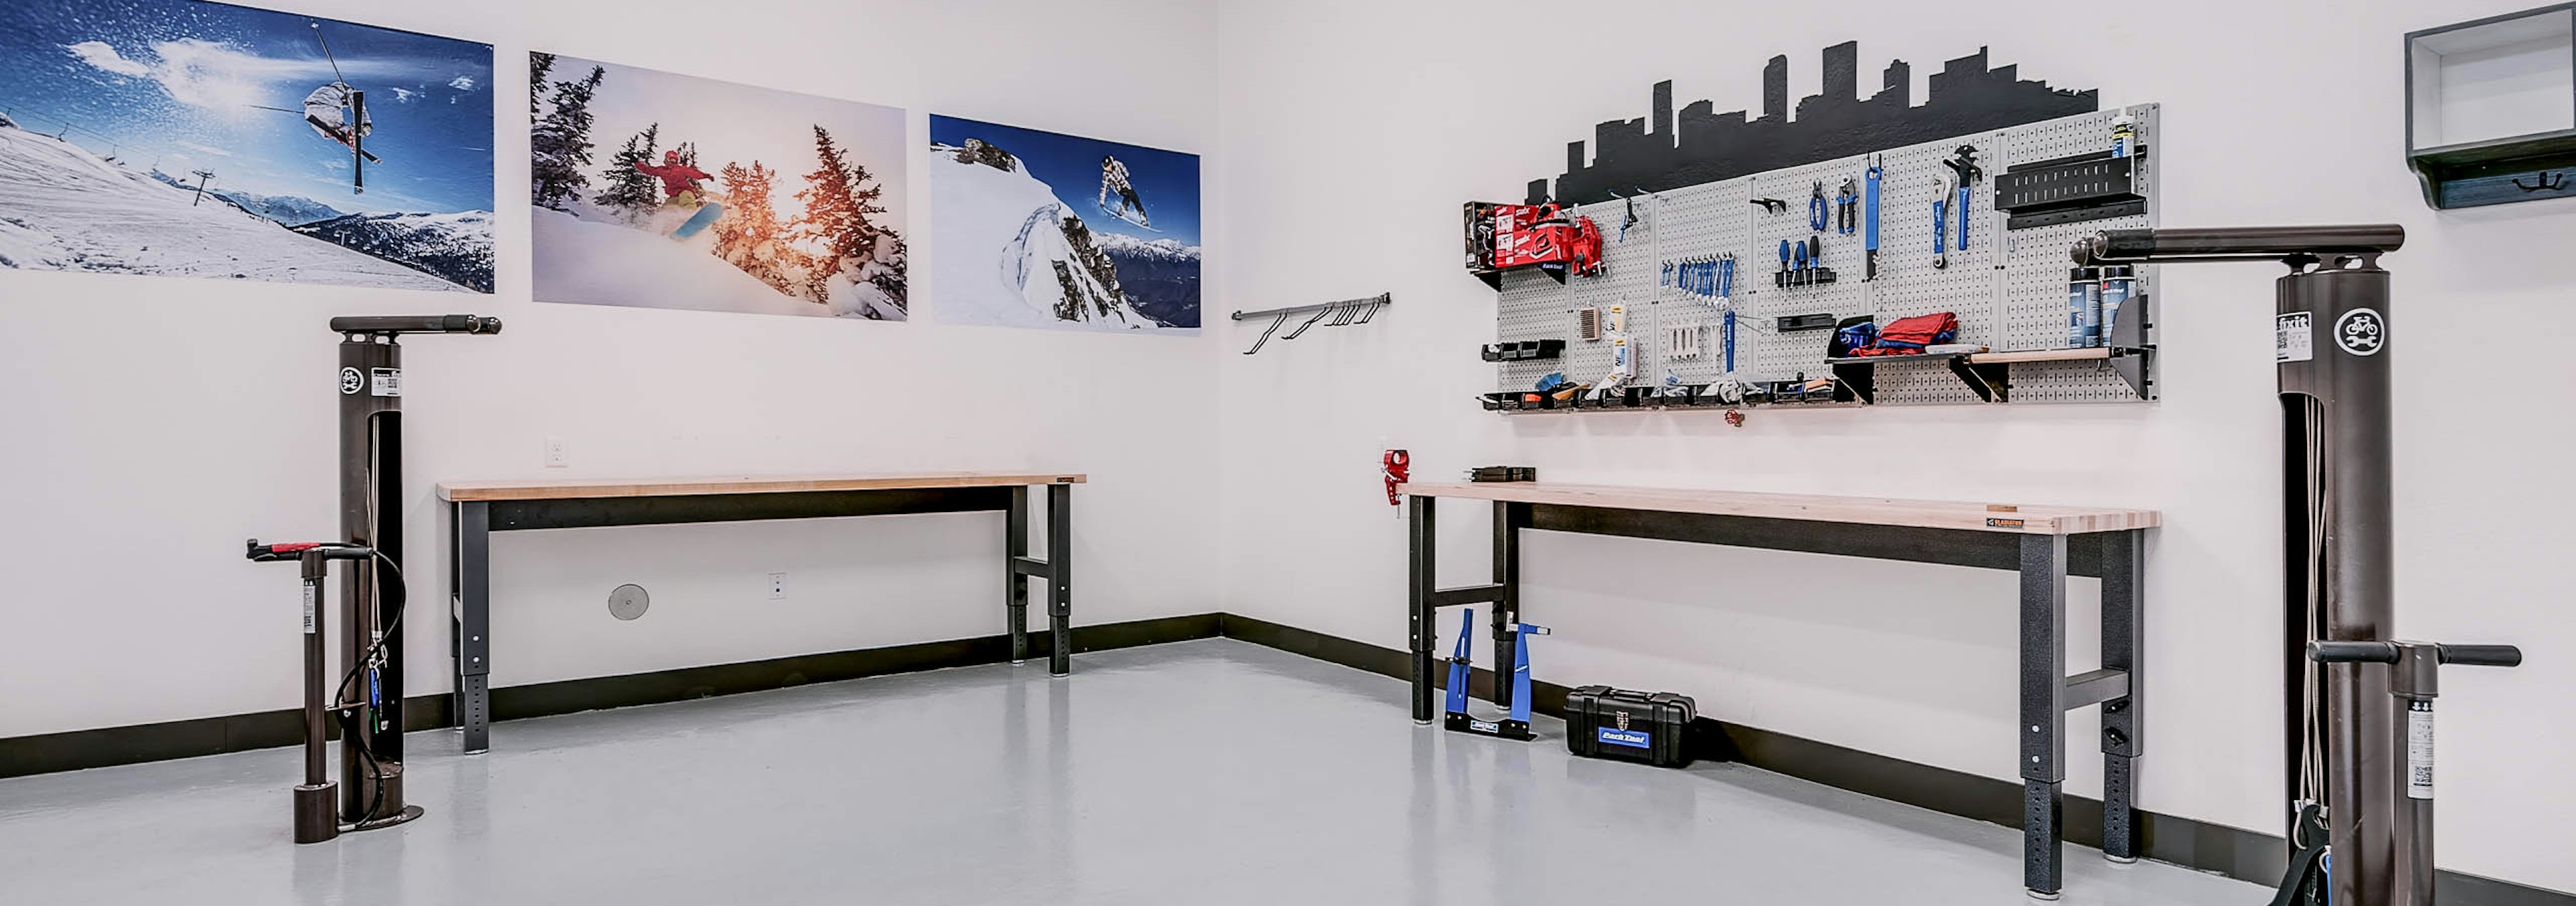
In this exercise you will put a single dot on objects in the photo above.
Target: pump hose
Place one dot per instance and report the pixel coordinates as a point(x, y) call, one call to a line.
point(392, 590)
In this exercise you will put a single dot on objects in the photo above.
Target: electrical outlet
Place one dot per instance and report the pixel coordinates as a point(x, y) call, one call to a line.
point(556, 458)
point(778, 586)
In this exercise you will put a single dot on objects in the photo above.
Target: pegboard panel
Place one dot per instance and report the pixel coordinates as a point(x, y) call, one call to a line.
point(1700, 223)
point(2035, 306)
point(2008, 288)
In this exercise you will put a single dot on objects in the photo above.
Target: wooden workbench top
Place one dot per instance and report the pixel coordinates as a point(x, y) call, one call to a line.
point(1983, 517)
point(577, 488)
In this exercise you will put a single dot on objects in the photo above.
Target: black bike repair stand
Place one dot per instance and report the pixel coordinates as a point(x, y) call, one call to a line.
point(1515, 726)
point(369, 700)
point(2331, 330)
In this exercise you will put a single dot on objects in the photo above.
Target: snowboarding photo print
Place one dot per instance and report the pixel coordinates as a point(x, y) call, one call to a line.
point(190, 139)
point(657, 190)
point(1040, 229)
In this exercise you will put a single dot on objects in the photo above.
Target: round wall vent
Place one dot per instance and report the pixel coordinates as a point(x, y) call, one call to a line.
point(629, 601)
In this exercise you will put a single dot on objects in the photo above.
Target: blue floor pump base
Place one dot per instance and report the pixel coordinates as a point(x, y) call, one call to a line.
point(1514, 726)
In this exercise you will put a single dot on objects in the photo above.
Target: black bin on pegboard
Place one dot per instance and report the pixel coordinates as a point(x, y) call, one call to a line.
point(1626, 725)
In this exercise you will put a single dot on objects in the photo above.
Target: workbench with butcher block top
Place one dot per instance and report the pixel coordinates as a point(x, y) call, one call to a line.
point(2043, 543)
point(480, 508)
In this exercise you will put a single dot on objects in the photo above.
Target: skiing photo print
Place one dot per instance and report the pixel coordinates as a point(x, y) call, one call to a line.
point(1041, 229)
point(658, 190)
point(190, 139)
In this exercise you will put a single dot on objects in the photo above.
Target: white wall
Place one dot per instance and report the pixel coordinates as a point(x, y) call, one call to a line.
point(148, 425)
point(1353, 130)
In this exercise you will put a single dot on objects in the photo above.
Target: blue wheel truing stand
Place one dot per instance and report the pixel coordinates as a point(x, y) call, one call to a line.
point(1515, 726)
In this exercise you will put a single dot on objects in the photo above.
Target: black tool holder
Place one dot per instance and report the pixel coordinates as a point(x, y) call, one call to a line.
point(370, 382)
point(2332, 330)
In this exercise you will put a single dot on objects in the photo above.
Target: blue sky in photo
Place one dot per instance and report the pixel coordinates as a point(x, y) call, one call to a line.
point(176, 85)
point(1167, 181)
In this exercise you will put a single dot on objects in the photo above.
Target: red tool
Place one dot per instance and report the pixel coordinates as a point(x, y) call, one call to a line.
point(1398, 466)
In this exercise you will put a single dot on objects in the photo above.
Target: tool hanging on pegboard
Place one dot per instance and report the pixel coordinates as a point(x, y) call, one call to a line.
point(1869, 216)
point(1964, 174)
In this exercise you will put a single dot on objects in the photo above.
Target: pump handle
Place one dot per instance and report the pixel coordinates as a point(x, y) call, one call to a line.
point(2387, 652)
point(385, 324)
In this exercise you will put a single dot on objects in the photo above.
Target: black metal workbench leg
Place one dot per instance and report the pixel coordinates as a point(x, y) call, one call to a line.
point(1508, 518)
point(1060, 578)
point(2043, 681)
point(1015, 595)
point(470, 568)
point(2124, 598)
point(1422, 535)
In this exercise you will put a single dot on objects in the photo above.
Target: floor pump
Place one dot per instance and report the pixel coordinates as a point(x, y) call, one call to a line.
point(368, 700)
point(2359, 765)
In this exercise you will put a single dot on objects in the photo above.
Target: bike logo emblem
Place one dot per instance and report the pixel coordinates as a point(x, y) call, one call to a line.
point(2361, 332)
point(351, 381)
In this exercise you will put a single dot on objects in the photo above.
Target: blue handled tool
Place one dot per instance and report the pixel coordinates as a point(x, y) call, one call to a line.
point(1784, 261)
point(1941, 229)
point(1847, 208)
point(1730, 340)
point(1869, 217)
point(1963, 174)
point(1816, 208)
point(1726, 279)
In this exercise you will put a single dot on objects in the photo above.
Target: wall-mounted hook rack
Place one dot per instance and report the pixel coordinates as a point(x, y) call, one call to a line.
point(1344, 313)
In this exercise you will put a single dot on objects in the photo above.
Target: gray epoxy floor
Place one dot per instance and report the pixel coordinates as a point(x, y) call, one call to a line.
point(1212, 771)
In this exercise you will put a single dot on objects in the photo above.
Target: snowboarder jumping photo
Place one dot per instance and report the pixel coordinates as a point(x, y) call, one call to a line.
point(1113, 180)
point(713, 196)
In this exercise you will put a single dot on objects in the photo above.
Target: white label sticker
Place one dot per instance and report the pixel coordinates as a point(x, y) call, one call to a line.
point(308, 607)
point(2419, 750)
point(388, 382)
point(2292, 341)
point(2361, 331)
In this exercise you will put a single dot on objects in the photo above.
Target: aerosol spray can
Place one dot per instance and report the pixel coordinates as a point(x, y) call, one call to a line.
point(2124, 137)
point(2117, 285)
point(2084, 307)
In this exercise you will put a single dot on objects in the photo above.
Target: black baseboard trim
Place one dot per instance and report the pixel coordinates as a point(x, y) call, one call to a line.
point(77, 749)
point(2236, 853)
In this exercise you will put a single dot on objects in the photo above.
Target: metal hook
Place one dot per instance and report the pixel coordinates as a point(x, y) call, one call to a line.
point(1265, 335)
point(2546, 182)
point(1310, 322)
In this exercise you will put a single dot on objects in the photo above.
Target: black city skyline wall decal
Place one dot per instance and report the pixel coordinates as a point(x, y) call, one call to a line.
point(1966, 96)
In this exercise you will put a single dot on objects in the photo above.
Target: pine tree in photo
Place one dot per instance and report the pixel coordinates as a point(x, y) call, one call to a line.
point(559, 143)
point(628, 187)
point(688, 152)
point(749, 235)
point(540, 66)
point(837, 201)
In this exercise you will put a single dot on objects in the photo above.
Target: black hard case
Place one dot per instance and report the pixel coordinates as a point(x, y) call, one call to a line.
point(1664, 718)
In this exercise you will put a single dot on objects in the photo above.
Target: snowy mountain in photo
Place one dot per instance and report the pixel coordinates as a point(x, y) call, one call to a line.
point(1012, 253)
point(457, 247)
point(286, 210)
point(63, 208)
point(1161, 276)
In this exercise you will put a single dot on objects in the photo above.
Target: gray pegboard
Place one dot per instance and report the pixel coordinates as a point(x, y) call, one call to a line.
point(2008, 288)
